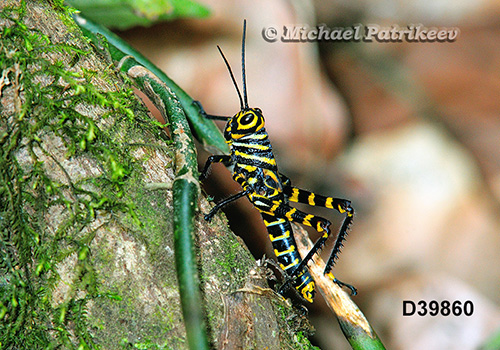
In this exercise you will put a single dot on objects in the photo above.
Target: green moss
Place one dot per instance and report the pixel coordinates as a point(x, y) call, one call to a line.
point(304, 343)
point(50, 97)
point(229, 262)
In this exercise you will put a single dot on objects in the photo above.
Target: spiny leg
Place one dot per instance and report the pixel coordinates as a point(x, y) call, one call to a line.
point(341, 205)
point(340, 239)
point(226, 159)
point(295, 194)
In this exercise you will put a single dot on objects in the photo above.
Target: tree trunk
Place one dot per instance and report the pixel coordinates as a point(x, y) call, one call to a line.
point(86, 246)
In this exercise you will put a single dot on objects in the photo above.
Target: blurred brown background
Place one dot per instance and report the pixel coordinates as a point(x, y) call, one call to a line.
point(408, 131)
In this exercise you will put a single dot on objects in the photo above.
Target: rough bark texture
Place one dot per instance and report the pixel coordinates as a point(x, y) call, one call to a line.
point(87, 256)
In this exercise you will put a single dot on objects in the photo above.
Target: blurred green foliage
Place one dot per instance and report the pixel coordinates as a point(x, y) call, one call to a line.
point(123, 14)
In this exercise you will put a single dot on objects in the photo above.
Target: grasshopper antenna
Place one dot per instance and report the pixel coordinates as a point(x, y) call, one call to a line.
point(232, 76)
point(243, 64)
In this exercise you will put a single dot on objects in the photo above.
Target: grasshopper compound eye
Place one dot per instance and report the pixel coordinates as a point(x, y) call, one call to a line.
point(248, 119)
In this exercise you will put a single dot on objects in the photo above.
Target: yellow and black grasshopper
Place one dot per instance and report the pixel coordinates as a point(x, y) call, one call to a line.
point(255, 169)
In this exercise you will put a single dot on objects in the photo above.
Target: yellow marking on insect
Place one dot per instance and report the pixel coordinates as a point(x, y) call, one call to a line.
point(320, 228)
point(270, 161)
point(275, 192)
point(310, 199)
point(239, 176)
point(277, 238)
point(275, 206)
point(271, 174)
point(329, 203)
point(257, 136)
point(307, 219)
point(289, 250)
point(293, 263)
point(251, 145)
point(307, 291)
point(341, 210)
point(249, 168)
point(276, 222)
point(295, 195)
point(290, 213)
point(236, 136)
point(330, 275)
point(252, 181)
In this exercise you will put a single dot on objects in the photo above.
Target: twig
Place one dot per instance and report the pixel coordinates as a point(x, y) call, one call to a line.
point(353, 323)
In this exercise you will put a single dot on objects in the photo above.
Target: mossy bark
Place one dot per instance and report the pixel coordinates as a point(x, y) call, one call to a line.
point(86, 247)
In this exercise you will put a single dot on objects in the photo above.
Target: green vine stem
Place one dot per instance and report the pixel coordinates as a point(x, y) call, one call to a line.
point(174, 104)
point(203, 129)
point(185, 197)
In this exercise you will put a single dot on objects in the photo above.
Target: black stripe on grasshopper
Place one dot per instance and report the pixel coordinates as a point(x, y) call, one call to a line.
point(255, 169)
